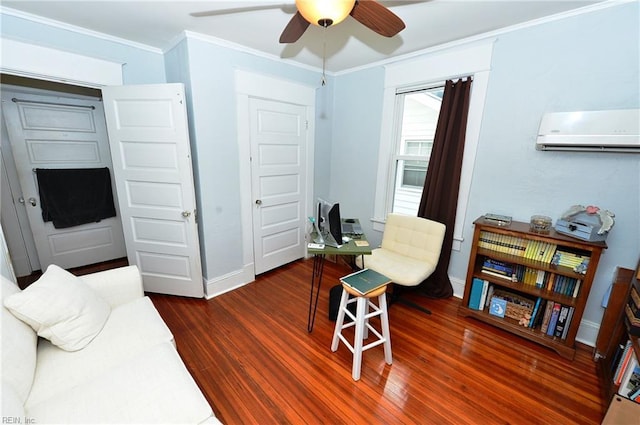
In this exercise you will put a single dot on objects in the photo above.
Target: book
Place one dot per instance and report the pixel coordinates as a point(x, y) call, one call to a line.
point(634, 302)
point(531, 248)
point(547, 316)
point(628, 379)
point(548, 255)
point(553, 320)
point(476, 293)
point(634, 394)
point(495, 265)
point(633, 385)
point(365, 281)
point(565, 332)
point(540, 315)
point(488, 297)
point(496, 274)
point(483, 297)
point(623, 362)
point(535, 311)
point(562, 321)
point(631, 316)
point(616, 359)
point(498, 306)
point(483, 240)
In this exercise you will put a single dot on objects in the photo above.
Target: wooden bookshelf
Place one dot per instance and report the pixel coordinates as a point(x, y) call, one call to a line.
point(506, 253)
point(613, 334)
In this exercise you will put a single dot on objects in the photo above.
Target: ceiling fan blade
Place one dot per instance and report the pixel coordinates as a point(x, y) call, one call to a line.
point(377, 17)
point(294, 29)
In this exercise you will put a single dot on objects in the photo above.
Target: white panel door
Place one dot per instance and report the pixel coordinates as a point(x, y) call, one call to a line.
point(278, 175)
point(56, 132)
point(149, 141)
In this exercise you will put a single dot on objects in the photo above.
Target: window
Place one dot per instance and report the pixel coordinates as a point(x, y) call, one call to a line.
point(419, 73)
point(418, 118)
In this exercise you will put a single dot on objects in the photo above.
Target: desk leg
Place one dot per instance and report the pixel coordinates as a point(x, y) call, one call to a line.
point(316, 277)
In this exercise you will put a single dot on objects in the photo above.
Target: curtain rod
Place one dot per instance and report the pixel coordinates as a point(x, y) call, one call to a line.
point(15, 100)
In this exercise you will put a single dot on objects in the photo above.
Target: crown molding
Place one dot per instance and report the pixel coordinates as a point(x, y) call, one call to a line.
point(489, 35)
point(79, 30)
point(185, 35)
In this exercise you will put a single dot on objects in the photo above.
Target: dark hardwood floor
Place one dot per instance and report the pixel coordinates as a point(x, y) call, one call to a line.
point(25, 281)
point(250, 353)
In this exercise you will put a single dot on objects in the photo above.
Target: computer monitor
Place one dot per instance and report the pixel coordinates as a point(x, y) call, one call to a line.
point(335, 224)
point(328, 224)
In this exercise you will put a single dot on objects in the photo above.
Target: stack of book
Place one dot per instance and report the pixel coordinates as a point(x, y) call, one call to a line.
point(632, 310)
point(541, 251)
point(627, 372)
point(498, 269)
point(541, 279)
point(549, 317)
point(566, 258)
point(505, 244)
point(480, 293)
point(556, 320)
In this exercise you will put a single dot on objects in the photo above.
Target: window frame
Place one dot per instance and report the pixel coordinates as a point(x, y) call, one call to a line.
point(400, 141)
point(430, 69)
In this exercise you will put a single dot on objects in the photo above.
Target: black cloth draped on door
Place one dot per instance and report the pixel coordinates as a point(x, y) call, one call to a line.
point(71, 197)
point(440, 194)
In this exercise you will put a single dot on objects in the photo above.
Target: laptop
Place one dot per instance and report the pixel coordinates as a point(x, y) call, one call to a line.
point(351, 227)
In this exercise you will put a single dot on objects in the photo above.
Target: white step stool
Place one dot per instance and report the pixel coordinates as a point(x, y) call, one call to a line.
point(362, 326)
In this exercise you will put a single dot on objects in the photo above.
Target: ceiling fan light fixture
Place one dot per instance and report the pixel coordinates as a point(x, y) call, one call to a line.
point(324, 13)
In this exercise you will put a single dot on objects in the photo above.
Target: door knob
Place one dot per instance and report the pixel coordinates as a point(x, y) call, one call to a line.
point(32, 201)
point(186, 214)
point(258, 202)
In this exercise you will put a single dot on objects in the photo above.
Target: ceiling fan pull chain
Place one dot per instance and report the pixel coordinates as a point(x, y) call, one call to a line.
point(324, 54)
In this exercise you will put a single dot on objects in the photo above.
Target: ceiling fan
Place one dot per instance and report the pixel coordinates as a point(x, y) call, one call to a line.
point(325, 13)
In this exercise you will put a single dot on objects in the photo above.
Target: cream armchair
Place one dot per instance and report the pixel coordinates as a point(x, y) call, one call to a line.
point(409, 252)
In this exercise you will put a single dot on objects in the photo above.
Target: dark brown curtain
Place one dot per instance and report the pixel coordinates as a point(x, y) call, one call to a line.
point(440, 193)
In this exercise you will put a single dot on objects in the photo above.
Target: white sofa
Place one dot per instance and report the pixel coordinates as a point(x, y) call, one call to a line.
point(129, 371)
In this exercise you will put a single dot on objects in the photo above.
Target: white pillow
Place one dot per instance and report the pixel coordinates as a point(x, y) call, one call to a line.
point(61, 308)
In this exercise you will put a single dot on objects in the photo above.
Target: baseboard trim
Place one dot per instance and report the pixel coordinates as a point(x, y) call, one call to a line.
point(234, 280)
point(588, 333)
point(458, 287)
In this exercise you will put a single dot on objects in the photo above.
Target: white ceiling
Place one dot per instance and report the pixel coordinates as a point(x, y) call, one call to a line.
point(348, 45)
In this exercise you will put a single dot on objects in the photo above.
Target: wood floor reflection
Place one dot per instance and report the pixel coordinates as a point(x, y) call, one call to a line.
point(251, 354)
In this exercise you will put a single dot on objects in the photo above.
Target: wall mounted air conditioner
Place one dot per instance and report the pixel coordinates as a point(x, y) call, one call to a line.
point(590, 131)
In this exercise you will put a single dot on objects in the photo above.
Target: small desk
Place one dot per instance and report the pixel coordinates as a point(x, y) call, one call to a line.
point(349, 248)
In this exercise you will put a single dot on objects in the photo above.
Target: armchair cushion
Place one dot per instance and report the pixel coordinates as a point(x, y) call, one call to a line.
point(410, 249)
point(413, 237)
point(405, 271)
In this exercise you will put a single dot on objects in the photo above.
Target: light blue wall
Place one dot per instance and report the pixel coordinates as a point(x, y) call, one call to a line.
point(589, 62)
point(357, 115)
point(325, 112)
point(140, 66)
point(585, 62)
point(210, 76)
